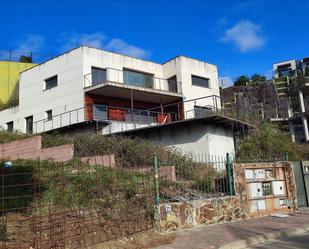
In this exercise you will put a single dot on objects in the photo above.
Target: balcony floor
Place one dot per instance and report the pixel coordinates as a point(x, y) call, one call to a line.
point(119, 90)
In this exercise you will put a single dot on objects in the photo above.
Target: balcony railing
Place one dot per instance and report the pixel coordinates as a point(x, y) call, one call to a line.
point(118, 76)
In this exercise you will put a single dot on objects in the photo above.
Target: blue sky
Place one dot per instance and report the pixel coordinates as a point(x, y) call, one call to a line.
point(241, 37)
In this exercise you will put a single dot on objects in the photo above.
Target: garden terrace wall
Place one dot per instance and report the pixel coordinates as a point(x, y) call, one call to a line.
point(182, 215)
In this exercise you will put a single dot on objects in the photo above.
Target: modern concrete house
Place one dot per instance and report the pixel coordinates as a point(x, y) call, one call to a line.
point(112, 91)
point(292, 83)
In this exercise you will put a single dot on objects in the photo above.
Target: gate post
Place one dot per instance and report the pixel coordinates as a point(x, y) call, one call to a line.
point(156, 170)
point(229, 175)
point(286, 156)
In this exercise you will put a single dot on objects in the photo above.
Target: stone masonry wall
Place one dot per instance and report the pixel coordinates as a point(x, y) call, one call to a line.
point(182, 215)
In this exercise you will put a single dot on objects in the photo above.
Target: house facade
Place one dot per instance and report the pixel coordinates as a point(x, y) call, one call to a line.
point(112, 91)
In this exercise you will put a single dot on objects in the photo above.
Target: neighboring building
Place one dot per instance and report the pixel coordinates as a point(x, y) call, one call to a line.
point(88, 86)
point(9, 75)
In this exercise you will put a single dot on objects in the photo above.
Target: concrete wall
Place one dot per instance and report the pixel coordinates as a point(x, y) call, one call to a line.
point(35, 100)
point(71, 69)
point(196, 137)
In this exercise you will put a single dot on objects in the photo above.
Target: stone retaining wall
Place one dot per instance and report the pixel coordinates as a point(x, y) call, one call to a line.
point(182, 215)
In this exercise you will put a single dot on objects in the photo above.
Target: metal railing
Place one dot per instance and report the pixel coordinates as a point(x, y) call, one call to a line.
point(117, 76)
point(197, 108)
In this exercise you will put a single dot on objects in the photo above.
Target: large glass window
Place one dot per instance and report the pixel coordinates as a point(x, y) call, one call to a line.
point(98, 75)
point(51, 82)
point(134, 78)
point(200, 81)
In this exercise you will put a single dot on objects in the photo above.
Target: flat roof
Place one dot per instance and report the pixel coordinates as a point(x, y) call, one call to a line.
point(216, 119)
point(80, 46)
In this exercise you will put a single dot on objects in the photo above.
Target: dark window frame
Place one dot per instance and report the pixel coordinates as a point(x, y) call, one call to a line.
point(200, 78)
point(49, 84)
point(49, 115)
point(142, 73)
point(10, 126)
point(92, 75)
point(29, 129)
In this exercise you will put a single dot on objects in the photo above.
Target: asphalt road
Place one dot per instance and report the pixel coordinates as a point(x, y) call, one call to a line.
point(300, 241)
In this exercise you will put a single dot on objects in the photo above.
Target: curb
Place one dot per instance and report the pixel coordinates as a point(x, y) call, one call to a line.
point(252, 241)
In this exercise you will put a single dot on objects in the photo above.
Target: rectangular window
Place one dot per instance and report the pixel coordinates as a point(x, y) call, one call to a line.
point(29, 124)
point(49, 115)
point(200, 81)
point(51, 82)
point(172, 84)
point(134, 78)
point(98, 75)
point(10, 126)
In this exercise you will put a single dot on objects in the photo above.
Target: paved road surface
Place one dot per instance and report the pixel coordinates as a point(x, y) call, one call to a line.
point(297, 242)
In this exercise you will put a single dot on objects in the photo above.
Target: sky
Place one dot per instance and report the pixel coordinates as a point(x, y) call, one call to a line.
point(240, 37)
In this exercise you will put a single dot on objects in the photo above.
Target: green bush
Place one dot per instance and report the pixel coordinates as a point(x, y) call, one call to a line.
point(268, 142)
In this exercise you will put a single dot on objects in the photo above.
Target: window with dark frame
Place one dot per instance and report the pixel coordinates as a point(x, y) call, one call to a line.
point(200, 81)
point(98, 75)
point(10, 126)
point(51, 82)
point(49, 115)
point(140, 79)
point(172, 84)
point(29, 124)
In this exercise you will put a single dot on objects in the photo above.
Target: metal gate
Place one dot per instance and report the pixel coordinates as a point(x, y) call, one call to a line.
point(301, 172)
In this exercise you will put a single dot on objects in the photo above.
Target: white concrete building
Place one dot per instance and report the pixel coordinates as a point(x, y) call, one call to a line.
point(115, 92)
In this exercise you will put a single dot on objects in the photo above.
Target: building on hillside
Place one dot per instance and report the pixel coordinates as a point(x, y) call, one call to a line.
point(283, 100)
point(9, 75)
point(292, 78)
point(88, 86)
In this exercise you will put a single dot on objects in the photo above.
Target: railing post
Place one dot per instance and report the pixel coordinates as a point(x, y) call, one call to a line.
point(156, 170)
point(229, 175)
point(286, 156)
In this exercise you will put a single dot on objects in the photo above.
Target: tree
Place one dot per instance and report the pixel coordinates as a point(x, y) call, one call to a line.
point(26, 59)
point(267, 142)
point(241, 81)
point(258, 77)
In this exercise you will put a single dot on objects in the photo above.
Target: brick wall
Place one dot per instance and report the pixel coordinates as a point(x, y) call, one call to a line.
point(31, 148)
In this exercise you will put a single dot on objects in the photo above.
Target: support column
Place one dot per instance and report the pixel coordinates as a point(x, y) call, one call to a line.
point(292, 130)
point(303, 114)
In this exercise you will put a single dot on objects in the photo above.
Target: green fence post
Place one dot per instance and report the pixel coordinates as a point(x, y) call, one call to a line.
point(286, 156)
point(229, 175)
point(156, 170)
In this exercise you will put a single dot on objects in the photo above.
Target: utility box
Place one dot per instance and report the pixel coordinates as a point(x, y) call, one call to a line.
point(278, 187)
point(256, 189)
point(259, 173)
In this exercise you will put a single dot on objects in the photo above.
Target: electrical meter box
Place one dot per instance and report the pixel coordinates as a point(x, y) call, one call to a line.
point(249, 174)
point(259, 173)
point(256, 189)
point(278, 187)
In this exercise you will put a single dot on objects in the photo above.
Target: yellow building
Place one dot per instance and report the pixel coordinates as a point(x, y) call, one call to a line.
point(9, 75)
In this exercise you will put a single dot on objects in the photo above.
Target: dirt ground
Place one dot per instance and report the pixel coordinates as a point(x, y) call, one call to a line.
point(143, 240)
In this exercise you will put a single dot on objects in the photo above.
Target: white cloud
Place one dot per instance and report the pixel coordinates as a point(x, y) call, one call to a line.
point(30, 43)
point(120, 46)
point(24, 45)
point(100, 40)
point(226, 81)
point(245, 35)
point(72, 39)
